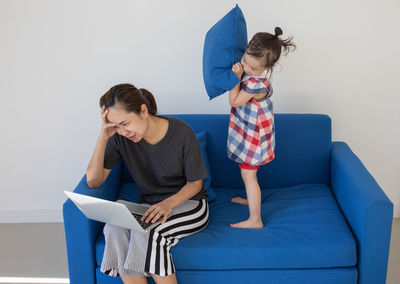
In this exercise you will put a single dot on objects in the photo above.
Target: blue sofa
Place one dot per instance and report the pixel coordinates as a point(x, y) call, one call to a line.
point(326, 219)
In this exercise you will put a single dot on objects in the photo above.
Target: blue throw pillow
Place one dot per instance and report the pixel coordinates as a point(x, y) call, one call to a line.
point(129, 192)
point(202, 138)
point(224, 45)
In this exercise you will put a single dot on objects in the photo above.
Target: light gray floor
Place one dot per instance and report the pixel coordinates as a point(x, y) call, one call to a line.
point(393, 276)
point(33, 250)
point(38, 250)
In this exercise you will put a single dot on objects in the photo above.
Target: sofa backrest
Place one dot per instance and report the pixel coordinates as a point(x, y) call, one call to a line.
point(302, 152)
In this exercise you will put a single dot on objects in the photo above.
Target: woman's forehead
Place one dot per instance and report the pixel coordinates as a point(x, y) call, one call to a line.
point(117, 114)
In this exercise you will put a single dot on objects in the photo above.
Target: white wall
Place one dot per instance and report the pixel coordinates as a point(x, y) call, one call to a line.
point(58, 57)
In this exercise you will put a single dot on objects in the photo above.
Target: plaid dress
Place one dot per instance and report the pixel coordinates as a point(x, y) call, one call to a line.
point(251, 134)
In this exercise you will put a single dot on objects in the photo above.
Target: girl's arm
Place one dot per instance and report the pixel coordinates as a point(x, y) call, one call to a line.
point(238, 97)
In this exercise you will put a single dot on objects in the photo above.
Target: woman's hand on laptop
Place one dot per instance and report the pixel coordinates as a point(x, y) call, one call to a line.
point(157, 211)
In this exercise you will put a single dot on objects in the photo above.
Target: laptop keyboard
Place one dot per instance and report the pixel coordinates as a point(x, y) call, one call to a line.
point(142, 223)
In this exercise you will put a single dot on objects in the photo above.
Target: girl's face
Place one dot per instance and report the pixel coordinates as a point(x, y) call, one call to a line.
point(252, 65)
point(129, 124)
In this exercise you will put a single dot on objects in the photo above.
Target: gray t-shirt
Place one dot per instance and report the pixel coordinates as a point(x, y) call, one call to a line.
point(160, 170)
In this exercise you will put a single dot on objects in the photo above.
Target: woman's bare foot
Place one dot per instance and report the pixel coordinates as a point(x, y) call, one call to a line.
point(240, 200)
point(249, 224)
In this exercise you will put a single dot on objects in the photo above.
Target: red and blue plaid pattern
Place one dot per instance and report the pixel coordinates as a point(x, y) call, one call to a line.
point(251, 134)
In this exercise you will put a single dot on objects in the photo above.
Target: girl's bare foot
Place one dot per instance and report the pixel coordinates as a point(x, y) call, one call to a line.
point(240, 200)
point(249, 224)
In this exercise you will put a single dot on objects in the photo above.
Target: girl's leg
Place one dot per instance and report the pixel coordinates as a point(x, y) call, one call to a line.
point(170, 279)
point(134, 279)
point(254, 200)
point(240, 200)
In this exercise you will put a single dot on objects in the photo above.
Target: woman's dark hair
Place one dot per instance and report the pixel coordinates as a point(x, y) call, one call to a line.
point(130, 98)
point(269, 47)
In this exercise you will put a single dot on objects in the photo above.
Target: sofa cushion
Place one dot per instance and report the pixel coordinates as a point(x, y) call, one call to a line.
point(303, 228)
point(129, 192)
point(224, 45)
point(202, 138)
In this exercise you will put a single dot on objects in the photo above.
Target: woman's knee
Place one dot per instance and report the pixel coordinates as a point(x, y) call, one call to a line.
point(170, 279)
point(112, 230)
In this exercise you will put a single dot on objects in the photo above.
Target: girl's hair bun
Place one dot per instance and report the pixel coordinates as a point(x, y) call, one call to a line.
point(278, 31)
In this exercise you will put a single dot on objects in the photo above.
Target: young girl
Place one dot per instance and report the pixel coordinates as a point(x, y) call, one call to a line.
point(251, 137)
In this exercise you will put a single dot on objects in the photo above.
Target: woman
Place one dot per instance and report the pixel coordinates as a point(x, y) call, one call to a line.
point(164, 158)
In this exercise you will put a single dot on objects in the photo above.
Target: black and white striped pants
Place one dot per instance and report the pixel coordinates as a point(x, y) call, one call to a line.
point(131, 253)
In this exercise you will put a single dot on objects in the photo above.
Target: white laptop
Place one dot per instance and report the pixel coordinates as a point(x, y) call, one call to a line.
point(120, 213)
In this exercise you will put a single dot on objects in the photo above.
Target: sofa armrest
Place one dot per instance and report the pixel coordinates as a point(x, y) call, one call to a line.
point(367, 209)
point(81, 233)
